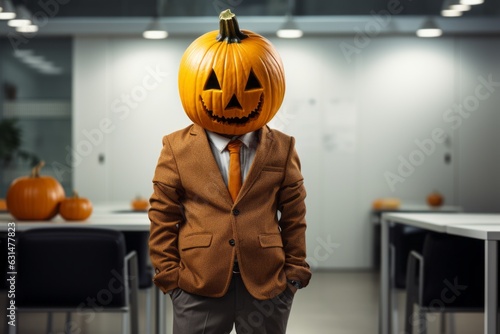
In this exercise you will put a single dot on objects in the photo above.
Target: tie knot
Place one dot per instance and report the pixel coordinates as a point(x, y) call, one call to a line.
point(234, 146)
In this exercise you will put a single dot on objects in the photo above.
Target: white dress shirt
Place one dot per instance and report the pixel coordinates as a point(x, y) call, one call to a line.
point(218, 144)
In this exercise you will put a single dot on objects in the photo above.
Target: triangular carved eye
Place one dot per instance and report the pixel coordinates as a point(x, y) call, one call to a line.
point(253, 82)
point(212, 82)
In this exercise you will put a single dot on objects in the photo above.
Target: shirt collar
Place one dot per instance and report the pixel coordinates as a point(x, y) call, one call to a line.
point(220, 142)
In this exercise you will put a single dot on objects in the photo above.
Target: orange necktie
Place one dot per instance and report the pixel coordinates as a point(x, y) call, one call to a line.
point(234, 182)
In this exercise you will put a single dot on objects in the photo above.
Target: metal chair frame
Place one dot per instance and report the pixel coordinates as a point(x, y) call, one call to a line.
point(416, 260)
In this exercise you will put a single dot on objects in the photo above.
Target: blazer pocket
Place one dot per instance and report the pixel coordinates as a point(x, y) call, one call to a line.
point(273, 169)
point(196, 241)
point(270, 240)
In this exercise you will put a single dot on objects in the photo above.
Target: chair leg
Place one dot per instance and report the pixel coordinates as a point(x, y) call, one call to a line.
point(412, 293)
point(49, 323)
point(451, 319)
point(132, 288)
point(67, 323)
point(125, 322)
point(148, 310)
point(394, 296)
point(442, 324)
point(11, 329)
point(422, 322)
point(409, 315)
point(8, 328)
point(134, 307)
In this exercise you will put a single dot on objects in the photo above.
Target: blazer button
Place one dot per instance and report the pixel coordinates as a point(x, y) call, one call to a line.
point(236, 212)
point(232, 242)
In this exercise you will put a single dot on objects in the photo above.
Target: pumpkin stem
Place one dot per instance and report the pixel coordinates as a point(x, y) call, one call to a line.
point(35, 171)
point(229, 29)
point(75, 193)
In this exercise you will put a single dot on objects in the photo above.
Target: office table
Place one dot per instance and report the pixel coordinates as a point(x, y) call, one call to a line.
point(376, 217)
point(102, 217)
point(479, 226)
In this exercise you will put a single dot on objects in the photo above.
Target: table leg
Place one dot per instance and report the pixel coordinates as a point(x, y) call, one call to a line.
point(490, 287)
point(393, 304)
point(160, 310)
point(385, 293)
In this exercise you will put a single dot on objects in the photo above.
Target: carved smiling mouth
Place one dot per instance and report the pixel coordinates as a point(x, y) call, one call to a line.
point(234, 120)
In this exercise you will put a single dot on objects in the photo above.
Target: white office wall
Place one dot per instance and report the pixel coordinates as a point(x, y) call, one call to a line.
point(125, 100)
point(90, 79)
point(355, 120)
point(354, 117)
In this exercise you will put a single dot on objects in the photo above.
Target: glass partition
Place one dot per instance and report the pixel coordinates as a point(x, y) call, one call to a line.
point(35, 104)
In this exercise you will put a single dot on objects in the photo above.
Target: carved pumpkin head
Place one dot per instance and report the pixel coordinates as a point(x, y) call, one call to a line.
point(230, 81)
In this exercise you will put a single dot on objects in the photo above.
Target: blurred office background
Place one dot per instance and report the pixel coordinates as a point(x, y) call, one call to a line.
point(376, 110)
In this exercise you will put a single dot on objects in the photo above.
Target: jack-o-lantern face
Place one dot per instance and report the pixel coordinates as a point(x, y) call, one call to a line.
point(231, 81)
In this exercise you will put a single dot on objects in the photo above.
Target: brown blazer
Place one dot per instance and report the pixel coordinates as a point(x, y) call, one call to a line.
point(196, 229)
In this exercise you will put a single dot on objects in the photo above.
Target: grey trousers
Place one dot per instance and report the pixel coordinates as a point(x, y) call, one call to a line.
point(194, 314)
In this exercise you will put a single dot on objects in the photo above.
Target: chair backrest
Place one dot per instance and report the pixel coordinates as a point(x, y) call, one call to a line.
point(454, 272)
point(405, 239)
point(70, 267)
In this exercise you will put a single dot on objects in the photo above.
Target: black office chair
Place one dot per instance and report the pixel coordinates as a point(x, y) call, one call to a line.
point(447, 277)
point(403, 240)
point(76, 270)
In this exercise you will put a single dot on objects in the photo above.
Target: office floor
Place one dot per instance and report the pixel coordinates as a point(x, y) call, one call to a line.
point(334, 303)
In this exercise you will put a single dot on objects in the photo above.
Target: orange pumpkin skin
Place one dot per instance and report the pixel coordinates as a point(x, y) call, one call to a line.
point(389, 203)
point(34, 197)
point(231, 82)
point(75, 208)
point(435, 199)
point(140, 204)
point(3, 204)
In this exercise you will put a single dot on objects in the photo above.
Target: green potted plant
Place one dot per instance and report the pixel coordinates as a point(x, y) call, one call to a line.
point(10, 147)
point(10, 143)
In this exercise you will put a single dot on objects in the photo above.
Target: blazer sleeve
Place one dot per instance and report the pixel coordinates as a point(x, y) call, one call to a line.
point(166, 215)
point(292, 206)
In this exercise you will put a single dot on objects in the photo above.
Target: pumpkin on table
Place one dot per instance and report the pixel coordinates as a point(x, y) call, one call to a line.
point(139, 204)
point(75, 208)
point(390, 203)
point(230, 81)
point(435, 199)
point(34, 197)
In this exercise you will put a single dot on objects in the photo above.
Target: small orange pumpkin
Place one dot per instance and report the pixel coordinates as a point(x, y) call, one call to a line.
point(139, 204)
point(3, 204)
point(75, 208)
point(435, 199)
point(389, 203)
point(34, 197)
point(230, 81)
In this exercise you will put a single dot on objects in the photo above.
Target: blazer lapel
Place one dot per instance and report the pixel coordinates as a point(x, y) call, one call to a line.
point(264, 148)
point(205, 161)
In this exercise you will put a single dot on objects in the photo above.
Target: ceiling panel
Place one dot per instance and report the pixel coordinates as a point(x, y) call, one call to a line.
point(193, 17)
point(174, 8)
